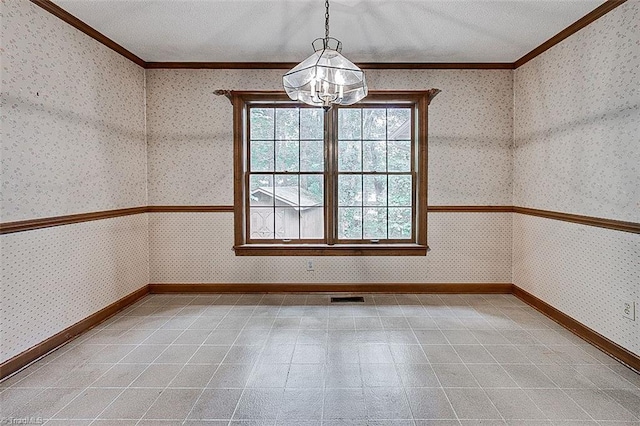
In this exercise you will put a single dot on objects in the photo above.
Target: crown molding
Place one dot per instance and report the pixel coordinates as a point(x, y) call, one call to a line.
point(59, 12)
point(600, 11)
point(362, 65)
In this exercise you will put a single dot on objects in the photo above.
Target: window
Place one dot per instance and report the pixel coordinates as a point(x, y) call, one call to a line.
point(349, 181)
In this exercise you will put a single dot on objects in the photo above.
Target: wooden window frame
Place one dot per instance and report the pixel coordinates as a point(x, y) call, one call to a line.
point(419, 100)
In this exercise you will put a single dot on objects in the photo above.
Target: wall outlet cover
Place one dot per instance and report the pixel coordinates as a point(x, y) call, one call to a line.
point(629, 310)
point(310, 265)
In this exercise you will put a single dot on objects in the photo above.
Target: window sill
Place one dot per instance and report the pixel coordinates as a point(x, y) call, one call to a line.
point(327, 250)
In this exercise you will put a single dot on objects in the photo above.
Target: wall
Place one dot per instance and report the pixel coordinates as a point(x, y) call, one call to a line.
point(72, 142)
point(190, 163)
point(577, 150)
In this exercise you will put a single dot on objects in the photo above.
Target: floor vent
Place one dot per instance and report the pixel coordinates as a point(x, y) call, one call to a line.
point(348, 299)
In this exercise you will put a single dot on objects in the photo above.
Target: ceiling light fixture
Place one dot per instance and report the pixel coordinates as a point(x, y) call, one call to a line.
point(326, 77)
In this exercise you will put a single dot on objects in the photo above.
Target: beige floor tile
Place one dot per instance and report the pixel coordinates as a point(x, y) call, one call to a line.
point(194, 376)
point(491, 376)
point(309, 376)
point(441, 354)
point(600, 406)
point(454, 375)
point(269, 376)
point(209, 354)
point(215, 404)
point(379, 375)
point(48, 403)
point(173, 404)
point(514, 404)
point(473, 404)
point(408, 354)
point(301, 404)
point(344, 404)
point(157, 376)
point(556, 405)
point(231, 376)
point(242, 355)
point(259, 404)
point(396, 360)
point(276, 354)
point(474, 354)
point(131, 404)
point(176, 354)
point(375, 353)
point(386, 403)
point(429, 404)
point(89, 403)
point(528, 376)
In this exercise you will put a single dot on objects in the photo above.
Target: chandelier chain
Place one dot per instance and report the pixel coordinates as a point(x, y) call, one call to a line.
point(326, 77)
point(326, 19)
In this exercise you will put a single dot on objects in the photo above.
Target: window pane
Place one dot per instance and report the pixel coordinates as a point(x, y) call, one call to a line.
point(400, 190)
point(287, 126)
point(261, 156)
point(287, 155)
point(374, 123)
point(287, 191)
point(311, 156)
point(261, 222)
point(399, 156)
point(349, 156)
point(350, 190)
point(398, 123)
point(375, 223)
point(399, 223)
point(374, 156)
point(287, 223)
point(350, 223)
point(311, 123)
point(349, 125)
point(311, 190)
point(262, 124)
point(375, 190)
point(261, 190)
point(312, 223)
point(287, 150)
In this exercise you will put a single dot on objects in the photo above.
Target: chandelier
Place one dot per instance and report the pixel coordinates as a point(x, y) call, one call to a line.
point(326, 77)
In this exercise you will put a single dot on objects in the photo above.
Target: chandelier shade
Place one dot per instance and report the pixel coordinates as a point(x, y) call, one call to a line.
point(326, 77)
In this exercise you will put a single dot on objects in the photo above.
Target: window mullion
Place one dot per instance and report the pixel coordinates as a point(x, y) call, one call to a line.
point(362, 172)
point(299, 178)
point(331, 181)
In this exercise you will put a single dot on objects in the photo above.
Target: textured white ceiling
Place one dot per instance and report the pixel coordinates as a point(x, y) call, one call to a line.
point(370, 30)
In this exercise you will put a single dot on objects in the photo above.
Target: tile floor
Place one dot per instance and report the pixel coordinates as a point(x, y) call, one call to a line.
point(299, 360)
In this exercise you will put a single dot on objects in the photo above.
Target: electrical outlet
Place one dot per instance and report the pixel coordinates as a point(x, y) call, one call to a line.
point(629, 310)
point(310, 265)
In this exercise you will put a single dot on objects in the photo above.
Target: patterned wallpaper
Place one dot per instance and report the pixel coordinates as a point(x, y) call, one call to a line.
point(577, 150)
point(55, 277)
point(191, 163)
point(197, 248)
point(73, 141)
point(585, 272)
point(191, 139)
point(577, 122)
point(72, 120)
